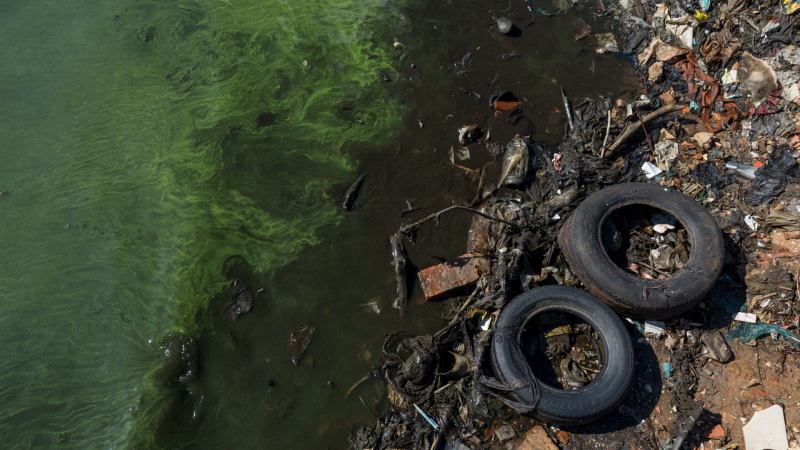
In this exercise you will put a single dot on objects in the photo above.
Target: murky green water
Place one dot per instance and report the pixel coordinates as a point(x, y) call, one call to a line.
point(143, 144)
point(133, 166)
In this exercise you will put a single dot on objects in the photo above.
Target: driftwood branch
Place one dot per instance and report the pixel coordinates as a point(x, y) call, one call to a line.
point(410, 230)
point(631, 129)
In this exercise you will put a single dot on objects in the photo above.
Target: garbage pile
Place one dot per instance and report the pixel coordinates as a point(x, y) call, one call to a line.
point(680, 210)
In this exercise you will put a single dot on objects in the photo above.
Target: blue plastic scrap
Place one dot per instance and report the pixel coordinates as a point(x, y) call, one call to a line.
point(666, 366)
point(430, 421)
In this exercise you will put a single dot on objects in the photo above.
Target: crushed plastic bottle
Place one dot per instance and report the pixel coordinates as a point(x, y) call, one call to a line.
point(515, 163)
point(743, 170)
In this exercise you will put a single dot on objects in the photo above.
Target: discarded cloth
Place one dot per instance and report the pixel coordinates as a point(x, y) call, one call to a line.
point(707, 98)
point(661, 50)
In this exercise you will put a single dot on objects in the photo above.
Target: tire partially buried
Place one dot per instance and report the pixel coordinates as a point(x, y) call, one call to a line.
point(580, 239)
point(607, 389)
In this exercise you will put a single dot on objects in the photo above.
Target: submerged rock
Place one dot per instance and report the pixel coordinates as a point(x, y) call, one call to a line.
point(299, 340)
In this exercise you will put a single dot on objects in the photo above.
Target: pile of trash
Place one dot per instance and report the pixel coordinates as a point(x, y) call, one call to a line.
point(718, 126)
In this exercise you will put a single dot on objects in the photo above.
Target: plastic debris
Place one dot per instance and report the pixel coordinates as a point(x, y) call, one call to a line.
point(667, 368)
point(662, 228)
point(430, 421)
point(743, 170)
point(766, 430)
point(700, 16)
point(751, 222)
point(606, 43)
point(708, 173)
point(665, 153)
point(654, 328)
point(650, 169)
point(462, 153)
point(715, 347)
point(661, 50)
point(682, 28)
point(467, 134)
point(515, 163)
point(749, 331)
point(790, 6)
point(771, 179)
point(745, 317)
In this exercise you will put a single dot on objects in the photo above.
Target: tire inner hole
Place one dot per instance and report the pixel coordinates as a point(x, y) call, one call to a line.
point(646, 242)
point(563, 351)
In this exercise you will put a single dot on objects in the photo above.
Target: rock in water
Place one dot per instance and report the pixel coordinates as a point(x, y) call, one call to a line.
point(504, 25)
point(298, 341)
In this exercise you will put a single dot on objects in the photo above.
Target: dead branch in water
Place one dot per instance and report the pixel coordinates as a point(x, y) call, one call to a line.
point(410, 230)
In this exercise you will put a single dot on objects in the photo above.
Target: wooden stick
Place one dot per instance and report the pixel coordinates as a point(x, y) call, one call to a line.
point(410, 229)
point(608, 127)
point(630, 131)
point(349, 391)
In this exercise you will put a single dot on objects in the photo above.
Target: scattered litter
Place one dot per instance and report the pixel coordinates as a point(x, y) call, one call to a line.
point(462, 153)
point(743, 170)
point(667, 368)
point(662, 51)
point(766, 430)
point(650, 169)
point(606, 43)
point(749, 331)
point(654, 328)
point(662, 228)
point(515, 163)
point(505, 433)
point(751, 222)
point(745, 317)
point(715, 347)
point(467, 134)
point(666, 151)
point(430, 421)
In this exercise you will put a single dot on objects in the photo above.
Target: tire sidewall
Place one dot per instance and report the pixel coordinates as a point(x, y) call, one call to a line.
point(605, 392)
point(581, 241)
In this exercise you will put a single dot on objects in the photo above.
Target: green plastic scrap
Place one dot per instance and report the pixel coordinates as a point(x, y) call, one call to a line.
point(749, 331)
point(547, 13)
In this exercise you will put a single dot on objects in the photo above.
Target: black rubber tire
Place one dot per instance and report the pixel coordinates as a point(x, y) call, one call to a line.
point(605, 392)
point(580, 239)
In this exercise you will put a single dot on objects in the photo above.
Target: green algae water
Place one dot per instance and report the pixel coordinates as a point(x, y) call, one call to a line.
point(147, 147)
point(142, 144)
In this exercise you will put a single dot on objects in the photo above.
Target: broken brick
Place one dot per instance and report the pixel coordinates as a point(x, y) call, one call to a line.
point(715, 433)
point(667, 98)
point(537, 439)
point(450, 277)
